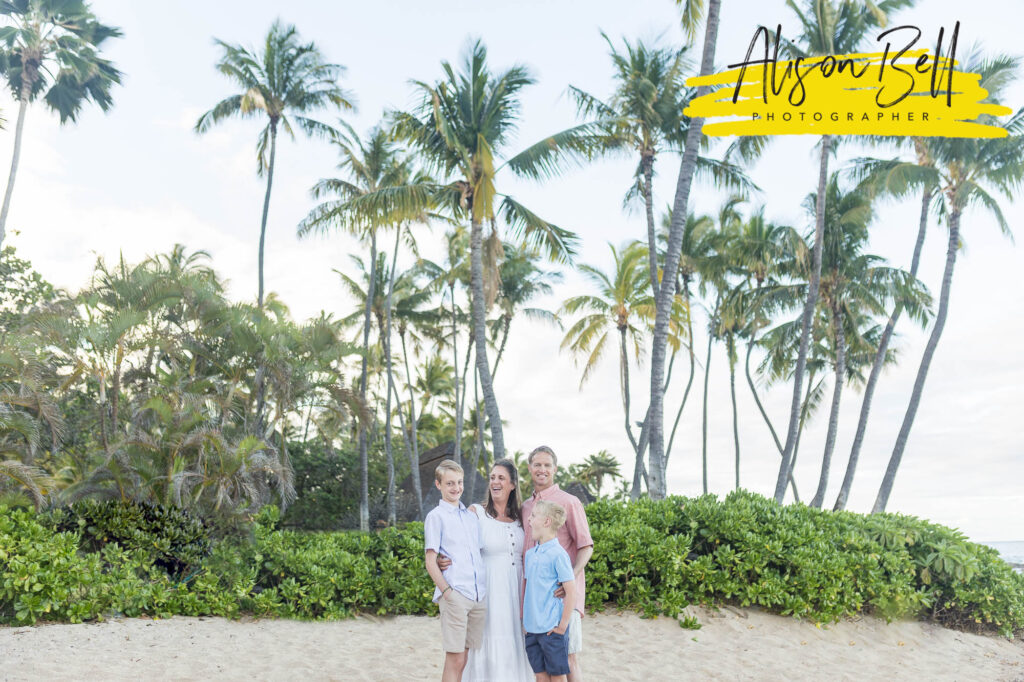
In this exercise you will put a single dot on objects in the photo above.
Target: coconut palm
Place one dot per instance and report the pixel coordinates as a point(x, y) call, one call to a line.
point(461, 127)
point(692, 10)
point(890, 178)
point(51, 49)
point(644, 114)
point(377, 195)
point(522, 280)
point(447, 278)
point(695, 248)
point(597, 467)
point(284, 81)
point(928, 194)
point(828, 27)
point(407, 301)
point(759, 252)
point(967, 172)
point(854, 286)
point(622, 307)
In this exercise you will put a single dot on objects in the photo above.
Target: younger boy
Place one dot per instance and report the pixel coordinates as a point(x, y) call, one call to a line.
point(452, 530)
point(546, 617)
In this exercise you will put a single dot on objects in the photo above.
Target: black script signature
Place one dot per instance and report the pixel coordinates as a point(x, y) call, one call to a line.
point(831, 64)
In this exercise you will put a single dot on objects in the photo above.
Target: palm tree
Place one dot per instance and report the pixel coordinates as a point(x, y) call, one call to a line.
point(284, 81)
point(854, 286)
point(695, 248)
point(644, 115)
point(715, 266)
point(828, 27)
point(522, 280)
point(623, 305)
point(966, 170)
point(52, 49)
point(692, 10)
point(595, 468)
point(460, 129)
point(891, 178)
point(447, 278)
point(377, 196)
point(759, 252)
point(927, 197)
point(408, 297)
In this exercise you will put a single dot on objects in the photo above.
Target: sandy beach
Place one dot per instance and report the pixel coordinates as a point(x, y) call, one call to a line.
point(733, 644)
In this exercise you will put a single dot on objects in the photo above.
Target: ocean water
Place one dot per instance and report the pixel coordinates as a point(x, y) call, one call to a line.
point(1012, 552)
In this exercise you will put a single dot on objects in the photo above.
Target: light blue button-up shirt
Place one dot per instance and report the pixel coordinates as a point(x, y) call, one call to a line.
point(547, 565)
point(454, 531)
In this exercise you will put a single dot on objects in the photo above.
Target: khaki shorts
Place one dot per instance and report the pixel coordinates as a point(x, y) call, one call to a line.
point(574, 633)
point(462, 622)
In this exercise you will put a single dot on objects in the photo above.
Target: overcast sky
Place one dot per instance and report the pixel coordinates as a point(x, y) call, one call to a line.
point(138, 180)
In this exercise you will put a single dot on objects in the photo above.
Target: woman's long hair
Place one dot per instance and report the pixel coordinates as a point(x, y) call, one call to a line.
point(512, 507)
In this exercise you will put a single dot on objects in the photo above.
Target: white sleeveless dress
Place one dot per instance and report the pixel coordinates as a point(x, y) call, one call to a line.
point(502, 654)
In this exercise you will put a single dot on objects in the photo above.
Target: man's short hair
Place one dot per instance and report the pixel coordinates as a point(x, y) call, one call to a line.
point(553, 511)
point(447, 465)
point(546, 450)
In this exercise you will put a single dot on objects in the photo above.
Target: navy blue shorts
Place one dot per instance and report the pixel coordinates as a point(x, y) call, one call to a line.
point(548, 653)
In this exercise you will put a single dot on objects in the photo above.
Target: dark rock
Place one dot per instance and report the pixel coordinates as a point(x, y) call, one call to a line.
point(579, 490)
point(431, 495)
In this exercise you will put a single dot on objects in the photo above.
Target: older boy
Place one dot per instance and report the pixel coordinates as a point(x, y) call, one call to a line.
point(545, 616)
point(460, 590)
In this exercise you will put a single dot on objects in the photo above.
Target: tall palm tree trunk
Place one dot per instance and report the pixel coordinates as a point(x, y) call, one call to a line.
point(478, 442)
point(506, 325)
point(414, 451)
point(926, 360)
point(364, 460)
point(15, 156)
point(833, 415)
point(261, 370)
point(764, 414)
point(805, 334)
point(388, 453)
point(480, 339)
point(689, 380)
point(638, 465)
point(804, 411)
point(876, 368)
point(735, 413)
point(663, 301)
point(647, 170)
point(704, 417)
point(455, 367)
point(266, 209)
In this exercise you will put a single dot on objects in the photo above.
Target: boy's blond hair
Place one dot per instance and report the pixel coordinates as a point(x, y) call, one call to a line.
point(553, 511)
point(447, 465)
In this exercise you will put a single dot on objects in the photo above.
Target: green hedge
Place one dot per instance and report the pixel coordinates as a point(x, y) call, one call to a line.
point(656, 557)
point(177, 541)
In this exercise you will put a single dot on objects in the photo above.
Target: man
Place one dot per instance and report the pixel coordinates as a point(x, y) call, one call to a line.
point(573, 536)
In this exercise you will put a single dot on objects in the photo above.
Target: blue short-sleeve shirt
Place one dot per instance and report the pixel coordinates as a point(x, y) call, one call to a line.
point(547, 565)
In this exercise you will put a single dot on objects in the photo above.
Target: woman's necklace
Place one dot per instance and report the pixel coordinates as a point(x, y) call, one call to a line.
point(501, 515)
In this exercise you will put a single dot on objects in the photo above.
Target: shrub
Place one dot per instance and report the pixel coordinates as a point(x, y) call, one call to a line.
point(656, 557)
point(331, 575)
point(175, 540)
point(795, 560)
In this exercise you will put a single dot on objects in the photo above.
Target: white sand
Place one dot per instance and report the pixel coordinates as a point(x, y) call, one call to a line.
point(733, 644)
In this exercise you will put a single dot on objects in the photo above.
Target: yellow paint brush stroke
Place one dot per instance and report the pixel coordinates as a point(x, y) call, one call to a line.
point(841, 104)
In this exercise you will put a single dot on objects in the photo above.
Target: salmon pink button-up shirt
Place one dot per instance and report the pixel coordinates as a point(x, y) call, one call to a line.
point(573, 536)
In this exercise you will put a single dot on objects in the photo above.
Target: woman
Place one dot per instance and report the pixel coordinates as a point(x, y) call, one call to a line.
point(502, 654)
